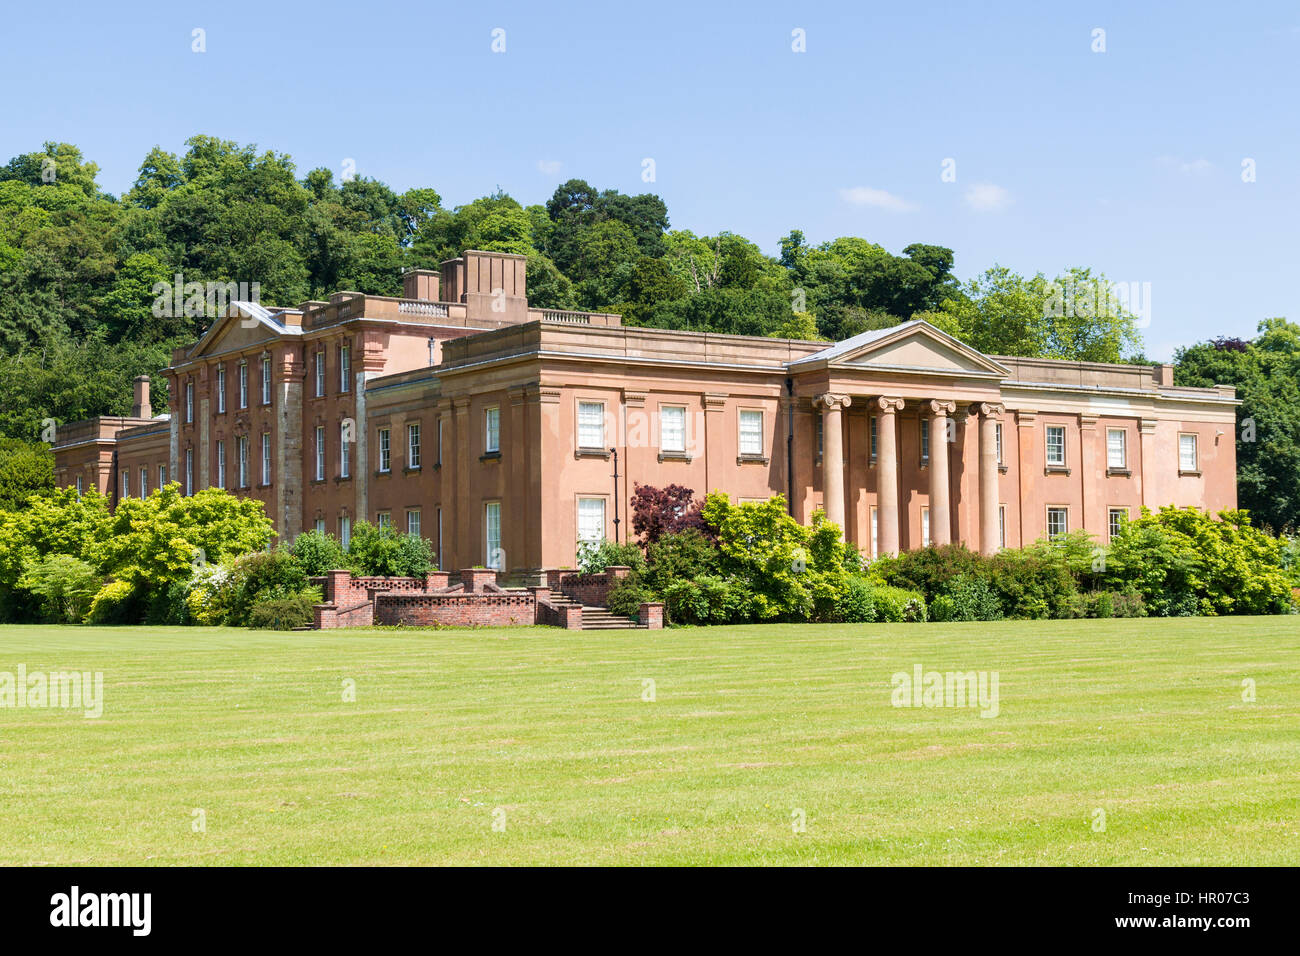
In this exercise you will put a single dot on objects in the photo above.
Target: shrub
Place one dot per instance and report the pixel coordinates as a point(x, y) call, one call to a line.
point(708, 600)
point(382, 551)
point(856, 605)
point(894, 605)
point(660, 511)
point(685, 603)
point(116, 603)
point(683, 555)
point(262, 575)
point(65, 585)
point(595, 557)
point(929, 570)
point(627, 596)
point(966, 598)
point(1034, 586)
point(284, 613)
point(317, 552)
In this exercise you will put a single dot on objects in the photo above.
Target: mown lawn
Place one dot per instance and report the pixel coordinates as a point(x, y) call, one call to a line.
point(546, 733)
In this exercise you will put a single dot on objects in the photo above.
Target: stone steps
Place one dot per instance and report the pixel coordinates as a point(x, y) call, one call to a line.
point(598, 618)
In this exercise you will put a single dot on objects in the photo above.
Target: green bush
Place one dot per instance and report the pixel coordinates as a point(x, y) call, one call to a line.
point(116, 603)
point(708, 600)
point(929, 570)
point(966, 598)
point(263, 575)
point(627, 596)
point(284, 613)
point(894, 605)
point(595, 557)
point(856, 605)
point(683, 555)
point(317, 552)
point(1034, 586)
point(65, 585)
point(382, 551)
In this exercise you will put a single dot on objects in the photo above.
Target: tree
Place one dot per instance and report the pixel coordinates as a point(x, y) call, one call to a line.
point(660, 511)
point(64, 584)
point(25, 470)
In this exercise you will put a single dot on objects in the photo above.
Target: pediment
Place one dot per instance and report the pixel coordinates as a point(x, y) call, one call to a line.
point(243, 326)
point(912, 346)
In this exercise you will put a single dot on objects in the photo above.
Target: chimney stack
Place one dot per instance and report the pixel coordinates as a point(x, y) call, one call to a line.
point(420, 284)
point(141, 408)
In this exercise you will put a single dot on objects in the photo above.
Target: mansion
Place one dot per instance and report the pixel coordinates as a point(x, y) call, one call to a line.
point(496, 430)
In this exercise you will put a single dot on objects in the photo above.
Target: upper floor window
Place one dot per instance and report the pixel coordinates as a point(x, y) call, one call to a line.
point(1056, 444)
point(873, 438)
point(320, 374)
point(1187, 457)
point(413, 445)
point(385, 450)
point(751, 432)
point(1116, 456)
point(266, 380)
point(221, 464)
point(925, 440)
point(997, 438)
point(672, 428)
point(243, 384)
point(266, 458)
point(492, 430)
point(345, 368)
point(221, 388)
point(440, 441)
point(591, 425)
point(320, 452)
point(189, 402)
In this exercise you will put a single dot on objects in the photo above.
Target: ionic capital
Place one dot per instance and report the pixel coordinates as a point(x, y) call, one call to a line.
point(889, 405)
point(832, 401)
point(939, 408)
point(988, 409)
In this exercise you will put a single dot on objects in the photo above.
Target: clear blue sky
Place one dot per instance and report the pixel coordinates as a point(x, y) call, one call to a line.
point(1128, 161)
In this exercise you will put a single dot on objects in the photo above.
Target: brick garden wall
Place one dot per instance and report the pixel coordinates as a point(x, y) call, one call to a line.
point(458, 610)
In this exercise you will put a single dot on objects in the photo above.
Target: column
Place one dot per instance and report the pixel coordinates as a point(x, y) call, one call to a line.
point(1147, 438)
point(940, 433)
point(1091, 478)
point(832, 405)
point(989, 414)
point(887, 473)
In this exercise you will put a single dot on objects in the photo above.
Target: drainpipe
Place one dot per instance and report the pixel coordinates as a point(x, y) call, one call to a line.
point(614, 452)
point(789, 446)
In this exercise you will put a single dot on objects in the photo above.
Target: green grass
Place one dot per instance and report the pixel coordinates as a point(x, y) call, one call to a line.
point(1143, 719)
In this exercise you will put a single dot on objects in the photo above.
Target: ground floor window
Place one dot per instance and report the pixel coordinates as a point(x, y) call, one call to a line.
point(1058, 522)
point(125, 490)
point(875, 534)
point(591, 520)
point(221, 464)
point(384, 519)
point(492, 535)
point(413, 522)
point(1002, 526)
point(189, 471)
point(144, 482)
point(1115, 520)
point(345, 531)
point(162, 476)
point(439, 517)
point(320, 525)
point(925, 527)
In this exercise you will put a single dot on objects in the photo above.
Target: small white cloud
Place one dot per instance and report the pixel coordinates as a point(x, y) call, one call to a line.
point(549, 167)
point(986, 197)
point(879, 198)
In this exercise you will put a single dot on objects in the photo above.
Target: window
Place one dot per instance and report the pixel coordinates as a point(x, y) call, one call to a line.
point(875, 532)
point(1057, 523)
point(221, 464)
point(144, 482)
point(243, 384)
point(591, 425)
point(925, 527)
point(492, 534)
point(1002, 526)
point(413, 522)
point(320, 374)
point(162, 476)
point(80, 486)
point(492, 431)
point(189, 402)
point(1115, 448)
point(820, 429)
point(345, 531)
point(591, 520)
point(124, 491)
point(221, 388)
point(1056, 444)
point(1187, 453)
point(672, 428)
point(873, 431)
point(345, 453)
point(320, 452)
point(189, 471)
point(412, 446)
point(997, 439)
point(439, 459)
point(384, 519)
point(241, 455)
point(266, 458)
point(320, 525)
point(751, 432)
point(266, 380)
point(925, 439)
point(345, 368)
point(433, 351)
point(439, 555)
point(1115, 519)
point(385, 450)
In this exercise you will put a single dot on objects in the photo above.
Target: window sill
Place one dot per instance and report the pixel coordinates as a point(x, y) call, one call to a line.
point(264, 487)
point(1057, 470)
point(415, 470)
point(342, 478)
point(591, 453)
point(383, 472)
point(1118, 473)
point(319, 481)
point(1196, 473)
point(490, 456)
point(674, 456)
point(753, 460)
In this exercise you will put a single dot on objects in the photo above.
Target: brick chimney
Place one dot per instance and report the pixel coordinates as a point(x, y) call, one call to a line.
point(140, 407)
point(420, 284)
point(1165, 375)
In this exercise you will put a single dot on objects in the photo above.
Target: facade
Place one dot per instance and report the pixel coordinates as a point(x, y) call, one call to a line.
point(495, 430)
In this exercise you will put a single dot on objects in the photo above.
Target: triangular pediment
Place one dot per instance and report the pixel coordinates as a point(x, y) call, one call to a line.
point(243, 326)
point(912, 346)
